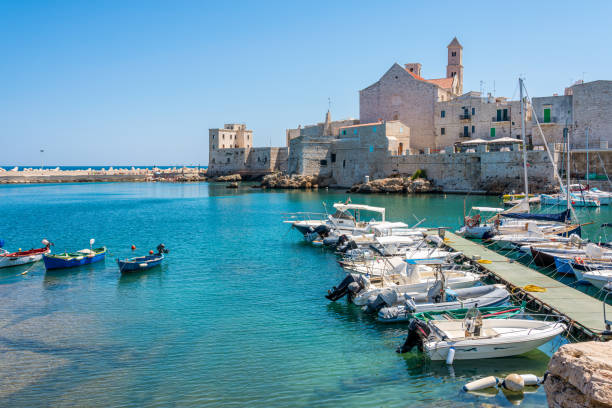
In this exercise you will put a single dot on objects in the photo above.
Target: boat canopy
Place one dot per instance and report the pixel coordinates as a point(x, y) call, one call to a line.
point(383, 226)
point(488, 209)
point(394, 239)
point(345, 207)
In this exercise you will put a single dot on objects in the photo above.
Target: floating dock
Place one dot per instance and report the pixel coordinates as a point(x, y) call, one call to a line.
point(584, 312)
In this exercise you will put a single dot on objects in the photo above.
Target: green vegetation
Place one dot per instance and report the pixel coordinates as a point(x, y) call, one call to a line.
point(420, 173)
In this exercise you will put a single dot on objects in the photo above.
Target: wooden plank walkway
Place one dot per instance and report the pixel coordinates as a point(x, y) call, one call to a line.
point(581, 309)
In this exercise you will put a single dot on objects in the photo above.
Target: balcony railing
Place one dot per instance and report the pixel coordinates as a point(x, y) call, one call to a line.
point(465, 116)
point(464, 134)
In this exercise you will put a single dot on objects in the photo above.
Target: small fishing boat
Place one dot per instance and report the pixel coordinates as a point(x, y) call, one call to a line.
point(74, 259)
point(476, 338)
point(142, 263)
point(8, 259)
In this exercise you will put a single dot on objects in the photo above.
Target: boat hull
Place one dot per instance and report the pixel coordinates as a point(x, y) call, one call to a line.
point(14, 259)
point(52, 262)
point(139, 264)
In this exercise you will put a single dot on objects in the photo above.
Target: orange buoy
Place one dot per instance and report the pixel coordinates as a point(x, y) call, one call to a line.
point(151, 252)
point(133, 247)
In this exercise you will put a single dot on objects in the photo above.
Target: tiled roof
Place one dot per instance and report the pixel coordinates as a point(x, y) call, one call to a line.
point(445, 83)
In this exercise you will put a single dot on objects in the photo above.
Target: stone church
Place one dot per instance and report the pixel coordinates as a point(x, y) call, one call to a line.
point(403, 94)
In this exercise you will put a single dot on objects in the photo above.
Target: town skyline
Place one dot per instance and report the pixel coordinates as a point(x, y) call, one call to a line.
point(143, 84)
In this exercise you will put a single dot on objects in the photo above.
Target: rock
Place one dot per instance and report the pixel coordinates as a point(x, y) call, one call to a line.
point(232, 185)
point(280, 180)
point(231, 177)
point(394, 185)
point(580, 375)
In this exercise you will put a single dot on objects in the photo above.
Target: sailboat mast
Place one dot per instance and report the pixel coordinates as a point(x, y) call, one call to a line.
point(587, 158)
point(567, 187)
point(523, 138)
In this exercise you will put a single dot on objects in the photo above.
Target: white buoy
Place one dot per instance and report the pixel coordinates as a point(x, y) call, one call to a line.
point(481, 384)
point(450, 356)
point(531, 379)
point(513, 382)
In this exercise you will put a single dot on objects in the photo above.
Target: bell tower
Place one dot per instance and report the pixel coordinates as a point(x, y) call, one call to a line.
point(455, 63)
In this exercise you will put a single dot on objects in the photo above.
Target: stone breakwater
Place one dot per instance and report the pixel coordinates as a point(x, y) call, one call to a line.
point(397, 185)
point(580, 375)
point(28, 176)
point(283, 181)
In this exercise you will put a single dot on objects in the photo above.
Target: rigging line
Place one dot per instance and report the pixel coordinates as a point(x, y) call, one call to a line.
point(555, 170)
point(604, 169)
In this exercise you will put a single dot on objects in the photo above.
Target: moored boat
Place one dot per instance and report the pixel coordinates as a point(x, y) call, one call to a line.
point(73, 259)
point(8, 259)
point(473, 338)
point(142, 263)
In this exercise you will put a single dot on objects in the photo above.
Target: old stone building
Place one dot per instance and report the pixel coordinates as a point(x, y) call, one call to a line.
point(403, 94)
point(364, 150)
point(231, 151)
point(470, 116)
point(310, 146)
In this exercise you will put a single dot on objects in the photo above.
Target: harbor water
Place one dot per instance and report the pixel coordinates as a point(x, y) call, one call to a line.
point(235, 317)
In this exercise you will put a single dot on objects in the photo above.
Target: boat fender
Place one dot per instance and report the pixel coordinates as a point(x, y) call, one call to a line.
point(450, 356)
point(513, 382)
point(143, 265)
point(531, 379)
point(481, 384)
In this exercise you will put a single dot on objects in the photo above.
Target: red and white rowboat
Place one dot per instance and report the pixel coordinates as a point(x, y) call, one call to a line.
point(8, 259)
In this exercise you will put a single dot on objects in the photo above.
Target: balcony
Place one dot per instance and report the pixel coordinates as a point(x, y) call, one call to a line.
point(465, 116)
point(465, 134)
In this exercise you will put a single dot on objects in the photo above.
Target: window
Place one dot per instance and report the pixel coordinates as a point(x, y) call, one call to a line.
point(442, 131)
point(466, 132)
point(343, 163)
point(473, 130)
point(333, 157)
point(546, 115)
point(505, 116)
point(454, 53)
point(492, 132)
point(224, 136)
point(323, 162)
point(442, 114)
point(473, 111)
point(453, 74)
point(401, 129)
point(411, 69)
point(344, 132)
point(228, 159)
point(499, 115)
point(213, 137)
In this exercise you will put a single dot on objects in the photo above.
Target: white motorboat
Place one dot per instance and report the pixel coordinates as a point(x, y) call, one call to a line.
point(575, 199)
point(8, 259)
point(473, 338)
point(600, 278)
point(411, 281)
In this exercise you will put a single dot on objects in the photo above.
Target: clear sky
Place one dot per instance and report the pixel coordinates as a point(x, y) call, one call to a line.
point(141, 82)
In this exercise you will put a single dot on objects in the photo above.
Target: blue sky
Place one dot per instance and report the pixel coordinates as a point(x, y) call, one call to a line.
point(141, 82)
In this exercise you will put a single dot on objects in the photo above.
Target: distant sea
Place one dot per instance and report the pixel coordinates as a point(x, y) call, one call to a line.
point(95, 167)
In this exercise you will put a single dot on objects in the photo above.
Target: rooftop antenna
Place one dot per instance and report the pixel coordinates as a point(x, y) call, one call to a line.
point(329, 103)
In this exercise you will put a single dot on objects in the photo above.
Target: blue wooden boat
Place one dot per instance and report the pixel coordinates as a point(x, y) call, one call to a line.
point(140, 263)
point(74, 259)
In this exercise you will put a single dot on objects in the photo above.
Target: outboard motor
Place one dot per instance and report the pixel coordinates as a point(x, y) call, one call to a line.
point(322, 230)
point(418, 331)
point(338, 292)
point(348, 246)
point(161, 249)
point(386, 298)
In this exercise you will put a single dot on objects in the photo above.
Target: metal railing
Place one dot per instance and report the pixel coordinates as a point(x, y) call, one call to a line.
point(465, 116)
point(303, 216)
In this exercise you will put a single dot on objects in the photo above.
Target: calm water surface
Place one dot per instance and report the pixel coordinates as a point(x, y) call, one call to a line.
point(235, 317)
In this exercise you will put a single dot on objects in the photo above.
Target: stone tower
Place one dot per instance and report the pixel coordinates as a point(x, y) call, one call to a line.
point(455, 62)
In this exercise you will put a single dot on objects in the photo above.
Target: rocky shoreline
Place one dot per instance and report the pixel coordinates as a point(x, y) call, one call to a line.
point(35, 176)
point(580, 375)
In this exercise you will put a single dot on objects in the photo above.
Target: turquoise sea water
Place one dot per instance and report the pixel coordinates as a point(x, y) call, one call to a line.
point(235, 317)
